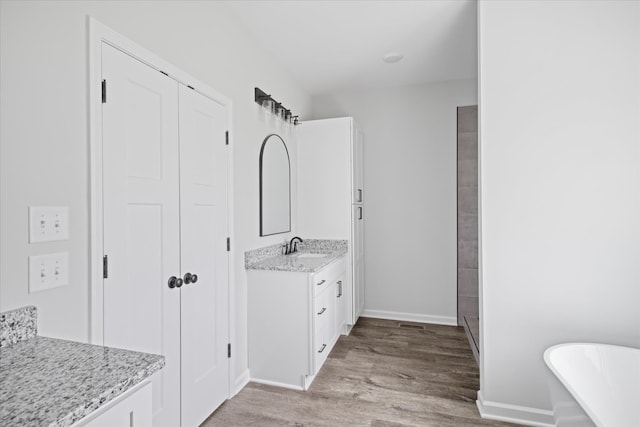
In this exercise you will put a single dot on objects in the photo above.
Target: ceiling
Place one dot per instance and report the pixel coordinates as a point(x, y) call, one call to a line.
point(335, 45)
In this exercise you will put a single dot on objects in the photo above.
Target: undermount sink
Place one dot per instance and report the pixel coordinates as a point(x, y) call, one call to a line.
point(310, 255)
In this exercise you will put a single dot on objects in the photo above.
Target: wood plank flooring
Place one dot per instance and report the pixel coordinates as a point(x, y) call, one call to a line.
point(385, 374)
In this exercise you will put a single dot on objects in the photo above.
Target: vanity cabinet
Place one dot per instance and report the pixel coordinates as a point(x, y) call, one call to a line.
point(331, 195)
point(293, 323)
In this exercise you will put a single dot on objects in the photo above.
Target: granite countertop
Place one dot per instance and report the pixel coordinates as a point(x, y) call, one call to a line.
point(53, 382)
point(270, 257)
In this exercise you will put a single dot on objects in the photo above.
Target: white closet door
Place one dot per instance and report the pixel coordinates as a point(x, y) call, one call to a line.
point(141, 220)
point(203, 210)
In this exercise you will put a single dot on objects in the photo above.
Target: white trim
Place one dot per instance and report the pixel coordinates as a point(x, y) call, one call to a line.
point(96, 312)
point(277, 384)
point(241, 382)
point(410, 317)
point(99, 33)
point(514, 413)
point(470, 338)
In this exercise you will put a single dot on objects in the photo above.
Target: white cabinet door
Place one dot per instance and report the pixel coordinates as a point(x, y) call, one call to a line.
point(132, 409)
point(203, 211)
point(357, 261)
point(357, 165)
point(341, 305)
point(141, 220)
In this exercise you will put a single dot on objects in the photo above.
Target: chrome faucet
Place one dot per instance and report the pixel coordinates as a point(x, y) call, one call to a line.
point(292, 246)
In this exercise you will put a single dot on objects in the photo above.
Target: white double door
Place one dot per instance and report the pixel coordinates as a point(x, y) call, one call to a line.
point(165, 215)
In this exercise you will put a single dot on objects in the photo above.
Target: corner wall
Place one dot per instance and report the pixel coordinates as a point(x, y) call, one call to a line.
point(44, 132)
point(410, 195)
point(559, 87)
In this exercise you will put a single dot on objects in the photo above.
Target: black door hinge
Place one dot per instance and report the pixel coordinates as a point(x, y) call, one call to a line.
point(228, 244)
point(105, 267)
point(104, 91)
point(226, 136)
point(229, 350)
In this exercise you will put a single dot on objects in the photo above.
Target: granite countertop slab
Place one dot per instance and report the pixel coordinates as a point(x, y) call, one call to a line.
point(270, 257)
point(53, 382)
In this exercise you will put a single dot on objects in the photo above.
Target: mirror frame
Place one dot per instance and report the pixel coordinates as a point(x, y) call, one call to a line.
point(264, 143)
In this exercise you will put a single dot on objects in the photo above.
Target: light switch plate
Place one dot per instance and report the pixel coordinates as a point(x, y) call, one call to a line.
point(48, 271)
point(48, 223)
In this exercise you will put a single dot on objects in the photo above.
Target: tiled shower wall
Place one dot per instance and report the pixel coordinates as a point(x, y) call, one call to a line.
point(467, 213)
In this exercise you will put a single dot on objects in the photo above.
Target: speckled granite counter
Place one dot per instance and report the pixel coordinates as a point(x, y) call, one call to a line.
point(271, 258)
point(52, 382)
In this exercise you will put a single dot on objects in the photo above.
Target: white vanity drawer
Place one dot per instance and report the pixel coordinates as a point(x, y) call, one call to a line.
point(324, 318)
point(325, 277)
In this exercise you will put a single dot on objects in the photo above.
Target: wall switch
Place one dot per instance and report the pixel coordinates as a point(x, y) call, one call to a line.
point(48, 271)
point(48, 223)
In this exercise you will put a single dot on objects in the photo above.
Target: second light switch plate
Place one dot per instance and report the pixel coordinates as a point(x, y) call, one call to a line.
point(48, 271)
point(48, 223)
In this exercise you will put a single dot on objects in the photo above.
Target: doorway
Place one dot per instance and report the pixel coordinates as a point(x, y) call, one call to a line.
point(160, 224)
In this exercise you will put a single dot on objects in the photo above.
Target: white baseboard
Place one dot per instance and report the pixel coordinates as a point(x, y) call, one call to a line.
point(410, 317)
point(241, 381)
point(514, 413)
point(277, 384)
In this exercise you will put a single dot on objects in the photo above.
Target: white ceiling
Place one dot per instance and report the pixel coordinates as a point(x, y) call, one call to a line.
point(333, 45)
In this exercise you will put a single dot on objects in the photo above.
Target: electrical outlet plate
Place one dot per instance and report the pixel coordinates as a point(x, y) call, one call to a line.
point(48, 271)
point(48, 223)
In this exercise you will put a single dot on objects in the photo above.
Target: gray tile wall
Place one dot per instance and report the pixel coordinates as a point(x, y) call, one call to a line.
point(467, 212)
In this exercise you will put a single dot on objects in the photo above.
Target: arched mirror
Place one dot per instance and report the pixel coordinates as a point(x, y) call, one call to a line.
point(275, 187)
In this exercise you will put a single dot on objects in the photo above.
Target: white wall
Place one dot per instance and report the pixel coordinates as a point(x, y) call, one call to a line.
point(560, 187)
point(410, 200)
point(44, 131)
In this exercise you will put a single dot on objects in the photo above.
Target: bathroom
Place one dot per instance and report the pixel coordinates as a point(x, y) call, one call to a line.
point(559, 190)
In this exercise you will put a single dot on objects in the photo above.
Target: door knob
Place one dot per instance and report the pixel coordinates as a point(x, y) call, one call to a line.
point(190, 278)
point(175, 282)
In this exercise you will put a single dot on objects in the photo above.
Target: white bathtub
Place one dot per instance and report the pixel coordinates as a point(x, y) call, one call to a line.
point(603, 379)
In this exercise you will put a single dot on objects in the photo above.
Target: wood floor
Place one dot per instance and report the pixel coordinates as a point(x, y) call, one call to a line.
point(385, 374)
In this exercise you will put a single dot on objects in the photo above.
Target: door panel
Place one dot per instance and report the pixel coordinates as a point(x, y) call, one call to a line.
point(141, 220)
point(357, 166)
point(357, 260)
point(203, 201)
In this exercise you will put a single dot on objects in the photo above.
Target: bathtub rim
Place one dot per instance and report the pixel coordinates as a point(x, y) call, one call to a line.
point(547, 355)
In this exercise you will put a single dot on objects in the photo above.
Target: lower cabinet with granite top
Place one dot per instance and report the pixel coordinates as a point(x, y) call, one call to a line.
point(59, 383)
point(131, 409)
point(295, 318)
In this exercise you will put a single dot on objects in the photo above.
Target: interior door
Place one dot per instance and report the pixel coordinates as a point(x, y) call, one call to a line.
point(203, 210)
point(141, 220)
